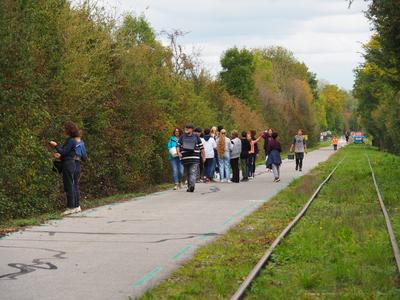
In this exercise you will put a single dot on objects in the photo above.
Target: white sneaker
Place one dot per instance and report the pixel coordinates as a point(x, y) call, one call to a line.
point(175, 187)
point(228, 181)
point(77, 209)
point(68, 211)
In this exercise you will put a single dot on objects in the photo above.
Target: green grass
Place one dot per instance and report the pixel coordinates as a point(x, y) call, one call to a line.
point(340, 250)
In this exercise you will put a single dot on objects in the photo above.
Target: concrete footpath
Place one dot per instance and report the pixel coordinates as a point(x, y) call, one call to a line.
point(121, 250)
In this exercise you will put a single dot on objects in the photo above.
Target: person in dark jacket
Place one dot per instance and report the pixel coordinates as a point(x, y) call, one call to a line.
point(274, 156)
point(244, 157)
point(67, 155)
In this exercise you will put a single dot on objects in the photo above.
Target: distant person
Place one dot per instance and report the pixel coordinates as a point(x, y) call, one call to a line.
point(254, 150)
point(244, 157)
point(235, 156)
point(347, 135)
point(274, 157)
point(214, 135)
point(224, 147)
point(210, 145)
point(176, 164)
point(267, 136)
point(80, 155)
point(300, 147)
point(191, 150)
point(335, 142)
point(67, 155)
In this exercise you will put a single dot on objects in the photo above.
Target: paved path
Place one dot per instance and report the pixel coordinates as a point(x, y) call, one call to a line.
point(117, 251)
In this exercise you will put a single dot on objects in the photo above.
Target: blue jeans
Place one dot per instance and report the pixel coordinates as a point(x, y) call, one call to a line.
point(191, 172)
point(209, 166)
point(177, 170)
point(224, 167)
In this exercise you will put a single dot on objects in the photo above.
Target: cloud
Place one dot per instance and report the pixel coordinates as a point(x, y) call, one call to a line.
point(325, 34)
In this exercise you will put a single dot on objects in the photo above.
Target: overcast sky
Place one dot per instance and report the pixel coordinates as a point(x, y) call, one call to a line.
point(325, 34)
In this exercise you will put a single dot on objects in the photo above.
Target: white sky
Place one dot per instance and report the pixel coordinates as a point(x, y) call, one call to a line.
point(325, 34)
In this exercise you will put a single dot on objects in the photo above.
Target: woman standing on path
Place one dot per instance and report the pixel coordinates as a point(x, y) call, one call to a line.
point(176, 164)
point(80, 155)
point(235, 155)
point(210, 145)
point(67, 155)
point(224, 147)
point(300, 147)
point(251, 136)
point(274, 157)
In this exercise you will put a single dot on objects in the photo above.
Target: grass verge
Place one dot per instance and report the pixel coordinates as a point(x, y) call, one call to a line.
point(339, 251)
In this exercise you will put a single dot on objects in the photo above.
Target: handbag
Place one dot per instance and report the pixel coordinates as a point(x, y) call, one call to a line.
point(290, 156)
point(57, 166)
point(173, 152)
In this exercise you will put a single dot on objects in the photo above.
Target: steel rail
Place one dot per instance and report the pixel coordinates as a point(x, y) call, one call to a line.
point(392, 237)
point(261, 263)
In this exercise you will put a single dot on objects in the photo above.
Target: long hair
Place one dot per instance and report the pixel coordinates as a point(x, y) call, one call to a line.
point(71, 129)
point(213, 131)
point(221, 143)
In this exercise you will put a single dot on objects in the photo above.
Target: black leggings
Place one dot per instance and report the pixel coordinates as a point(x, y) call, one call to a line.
point(299, 160)
point(68, 170)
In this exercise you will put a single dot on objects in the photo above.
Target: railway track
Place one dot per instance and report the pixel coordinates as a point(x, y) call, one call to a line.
point(265, 258)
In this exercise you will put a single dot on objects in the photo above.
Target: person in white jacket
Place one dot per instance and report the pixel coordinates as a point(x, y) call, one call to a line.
point(224, 147)
point(210, 145)
point(235, 156)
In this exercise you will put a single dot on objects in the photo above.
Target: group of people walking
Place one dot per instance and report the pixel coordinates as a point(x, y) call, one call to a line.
point(212, 155)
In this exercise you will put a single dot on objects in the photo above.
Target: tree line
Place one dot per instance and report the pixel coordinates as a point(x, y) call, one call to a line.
point(377, 85)
point(127, 91)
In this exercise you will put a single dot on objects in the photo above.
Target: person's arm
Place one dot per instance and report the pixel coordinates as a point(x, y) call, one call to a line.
point(305, 146)
point(67, 148)
point(203, 152)
point(178, 148)
point(292, 145)
point(84, 154)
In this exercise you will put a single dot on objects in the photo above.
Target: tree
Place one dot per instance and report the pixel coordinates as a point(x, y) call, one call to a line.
point(237, 74)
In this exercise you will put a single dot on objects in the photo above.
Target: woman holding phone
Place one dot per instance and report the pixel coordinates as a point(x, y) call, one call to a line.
point(67, 154)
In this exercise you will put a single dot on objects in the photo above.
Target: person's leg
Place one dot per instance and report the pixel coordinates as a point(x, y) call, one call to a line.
point(275, 170)
point(243, 168)
point(68, 180)
point(235, 169)
point(297, 160)
point(301, 157)
point(186, 173)
point(192, 176)
point(227, 167)
point(221, 168)
point(180, 171)
point(77, 175)
point(254, 165)
point(174, 168)
point(249, 166)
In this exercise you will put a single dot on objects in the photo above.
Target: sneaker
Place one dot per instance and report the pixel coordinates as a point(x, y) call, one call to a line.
point(175, 187)
point(244, 180)
point(77, 209)
point(68, 211)
point(277, 180)
point(297, 168)
point(228, 181)
point(300, 170)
